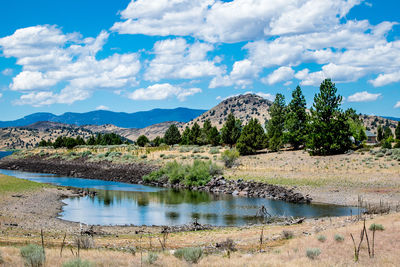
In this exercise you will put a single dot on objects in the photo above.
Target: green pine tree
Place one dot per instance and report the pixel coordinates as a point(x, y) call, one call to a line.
point(275, 125)
point(379, 135)
point(194, 136)
point(185, 136)
point(329, 128)
point(397, 131)
point(231, 130)
point(172, 136)
point(252, 138)
point(296, 120)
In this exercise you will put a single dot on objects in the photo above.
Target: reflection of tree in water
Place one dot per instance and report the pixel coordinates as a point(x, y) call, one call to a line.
point(172, 215)
point(169, 197)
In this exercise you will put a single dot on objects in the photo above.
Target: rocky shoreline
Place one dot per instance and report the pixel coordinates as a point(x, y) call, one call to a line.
point(133, 173)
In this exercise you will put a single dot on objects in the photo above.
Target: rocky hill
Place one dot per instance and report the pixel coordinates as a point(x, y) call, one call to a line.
point(243, 107)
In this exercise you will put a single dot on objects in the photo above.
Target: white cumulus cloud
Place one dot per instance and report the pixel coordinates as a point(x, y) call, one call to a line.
point(63, 68)
point(363, 97)
point(397, 105)
point(162, 91)
point(279, 75)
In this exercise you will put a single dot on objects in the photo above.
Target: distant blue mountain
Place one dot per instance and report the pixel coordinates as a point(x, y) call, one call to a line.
point(391, 118)
point(139, 119)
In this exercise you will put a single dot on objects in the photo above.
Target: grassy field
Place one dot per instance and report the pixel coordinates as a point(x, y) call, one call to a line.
point(10, 185)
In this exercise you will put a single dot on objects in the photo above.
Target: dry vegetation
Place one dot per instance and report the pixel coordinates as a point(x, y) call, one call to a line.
point(128, 249)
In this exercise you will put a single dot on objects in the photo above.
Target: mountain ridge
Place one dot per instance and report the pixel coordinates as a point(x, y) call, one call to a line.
point(140, 119)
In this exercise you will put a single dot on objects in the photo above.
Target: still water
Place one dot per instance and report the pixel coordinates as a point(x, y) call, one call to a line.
point(121, 204)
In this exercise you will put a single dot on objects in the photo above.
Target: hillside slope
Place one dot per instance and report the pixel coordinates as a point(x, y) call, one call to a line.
point(244, 107)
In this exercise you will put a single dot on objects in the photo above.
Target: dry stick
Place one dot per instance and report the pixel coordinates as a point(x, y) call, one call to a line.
point(62, 245)
point(41, 234)
point(261, 237)
point(366, 235)
point(373, 242)
point(357, 249)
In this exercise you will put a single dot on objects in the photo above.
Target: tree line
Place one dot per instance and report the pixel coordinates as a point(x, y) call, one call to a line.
point(325, 130)
point(105, 139)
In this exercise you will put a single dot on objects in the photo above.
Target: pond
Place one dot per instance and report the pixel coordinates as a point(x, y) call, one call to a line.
point(124, 204)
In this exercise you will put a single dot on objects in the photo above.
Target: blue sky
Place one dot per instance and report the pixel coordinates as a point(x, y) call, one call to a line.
point(121, 55)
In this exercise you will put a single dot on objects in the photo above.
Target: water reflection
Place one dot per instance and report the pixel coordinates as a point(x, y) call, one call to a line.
point(120, 204)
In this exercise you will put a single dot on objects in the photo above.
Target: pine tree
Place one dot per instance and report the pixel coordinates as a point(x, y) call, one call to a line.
point(194, 136)
point(252, 138)
point(231, 130)
point(379, 135)
point(172, 136)
point(185, 136)
point(275, 125)
point(142, 140)
point(213, 137)
point(397, 131)
point(387, 133)
point(296, 120)
point(329, 128)
point(204, 140)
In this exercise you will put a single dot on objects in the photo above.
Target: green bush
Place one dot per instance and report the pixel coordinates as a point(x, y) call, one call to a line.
point(191, 255)
point(151, 258)
point(197, 174)
point(321, 238)
point(77, 263)
point(387, 144)
point(376, 227)
point(214, 150)
point(33, 255)
point(229, 157)
point(313, 253)
point(339, 238)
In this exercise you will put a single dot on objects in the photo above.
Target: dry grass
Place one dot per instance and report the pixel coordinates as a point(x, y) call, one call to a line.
point(298, 168)
point(277, 252)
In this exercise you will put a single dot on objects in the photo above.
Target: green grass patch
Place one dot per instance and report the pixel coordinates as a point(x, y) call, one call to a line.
point(9, 184)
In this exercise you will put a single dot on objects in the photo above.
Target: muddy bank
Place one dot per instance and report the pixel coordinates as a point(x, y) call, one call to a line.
point(83, 168)
point(133, 173)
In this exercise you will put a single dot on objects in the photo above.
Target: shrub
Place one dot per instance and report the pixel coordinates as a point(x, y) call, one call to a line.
point(197, 174)
point(84, 241)
point(1, 258)
point(387, 144)
point(229, 157)
point(339, 238)
point(191, 255)
point(33, 255)
point(151, 258)
point(287, 234)
point(376, 227)
point(313, 253)
point(144, 156)
point(321, 238)
point(77, 263)
point(213, 150)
